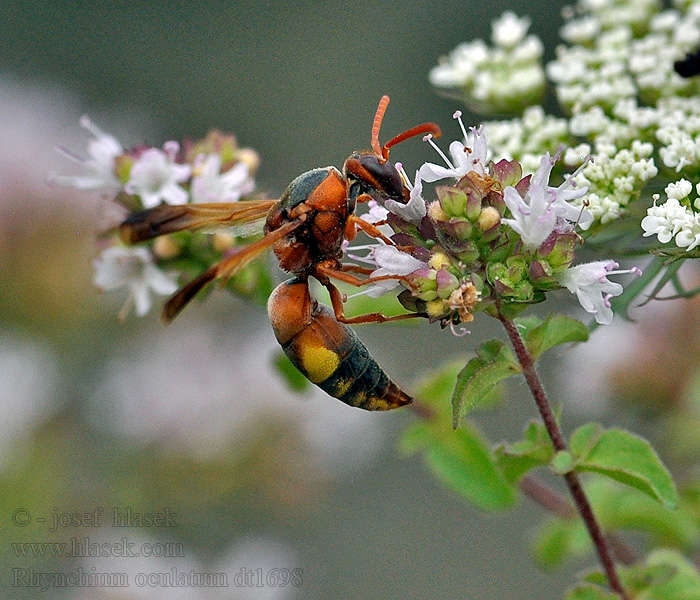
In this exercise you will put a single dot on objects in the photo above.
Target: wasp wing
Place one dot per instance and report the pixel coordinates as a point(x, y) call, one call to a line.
point(225, 269)
point(168, 218)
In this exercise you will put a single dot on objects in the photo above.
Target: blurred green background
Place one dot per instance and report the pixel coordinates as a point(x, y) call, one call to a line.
point(192, 418)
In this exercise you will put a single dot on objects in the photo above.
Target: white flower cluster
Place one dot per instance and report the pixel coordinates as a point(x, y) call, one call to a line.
point(622, 49)
point(675, 218)
point(153, 176)
point(525, 139)
point(679, 133)
point(614, 179)
point(627, 106)
point(496, 79)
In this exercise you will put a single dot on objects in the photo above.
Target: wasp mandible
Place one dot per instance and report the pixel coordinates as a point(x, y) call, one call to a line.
point(306, 227)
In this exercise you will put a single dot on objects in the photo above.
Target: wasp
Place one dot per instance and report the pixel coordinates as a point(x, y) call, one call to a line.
point(306, 228)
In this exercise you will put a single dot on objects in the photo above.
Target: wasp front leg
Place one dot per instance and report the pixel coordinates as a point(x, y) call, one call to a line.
point(355, 224)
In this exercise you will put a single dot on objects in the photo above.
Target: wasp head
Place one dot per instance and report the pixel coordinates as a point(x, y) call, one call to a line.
point(370, 172)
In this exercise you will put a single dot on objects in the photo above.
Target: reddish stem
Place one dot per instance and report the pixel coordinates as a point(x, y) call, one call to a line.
point(583, 506)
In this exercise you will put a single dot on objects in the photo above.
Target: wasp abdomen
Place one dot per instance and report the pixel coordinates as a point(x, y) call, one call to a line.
point(329, 353)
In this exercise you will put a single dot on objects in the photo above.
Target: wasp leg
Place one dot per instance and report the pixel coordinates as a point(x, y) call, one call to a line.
point(357, 269)
point(325, 272)
point(355, 224)
point(337, 303)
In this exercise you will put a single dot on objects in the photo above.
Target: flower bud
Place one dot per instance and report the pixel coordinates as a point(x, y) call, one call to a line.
point(438, 260)
point(558, 250)
point(122, 167)
point(436, 213)
point(438, 308)
point(458, 229)
point(249, 157)
point(223, 241)
point(165, 247)
point(423, 284)
point(474, 205)
point(540, 273)
point(446, 283)
point(452, 201)
point(507, 172)
point(488, 218)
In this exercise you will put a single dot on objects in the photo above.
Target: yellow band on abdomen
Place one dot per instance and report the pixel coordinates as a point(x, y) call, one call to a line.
point(318, 362)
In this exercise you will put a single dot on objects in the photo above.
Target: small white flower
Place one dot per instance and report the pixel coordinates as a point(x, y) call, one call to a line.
point(133, 268)
point(593, 289)
point(563, 194)
point(210, 185)
point(467, 156)
point(415, 209)
point(665, 221)
point(389, 260)
point(533, 217)
point(99, 167)
point(537, 214)
point(155, 175)
point(376, 214)
point(679, 189)
point(689, 236)
point(581, 30)
point(509, 30)
point(458, 69)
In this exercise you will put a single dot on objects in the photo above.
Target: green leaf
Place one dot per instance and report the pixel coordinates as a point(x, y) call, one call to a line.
point(588, 591)
point(460, 459)
point(555, 330)
point(535, 450)
point(683, 585)
point(621, 508)
point(476, 382)
point(560, 539)
point(666, 575)
point(416, 437)
point(436, 388)
point(625, 457)
point(291, 375)
point(463, 461)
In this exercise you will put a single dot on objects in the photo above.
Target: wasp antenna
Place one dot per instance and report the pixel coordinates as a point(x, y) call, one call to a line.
point(431, 128)
point(378, 116)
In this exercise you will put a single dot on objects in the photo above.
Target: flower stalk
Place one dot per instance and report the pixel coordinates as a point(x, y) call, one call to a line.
point(573, 482)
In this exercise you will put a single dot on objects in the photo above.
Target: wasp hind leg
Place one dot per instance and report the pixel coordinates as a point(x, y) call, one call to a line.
point(324, 273)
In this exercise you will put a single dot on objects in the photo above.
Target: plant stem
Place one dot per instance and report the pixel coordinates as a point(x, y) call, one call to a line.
point(583, 506)
point(557, 504)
